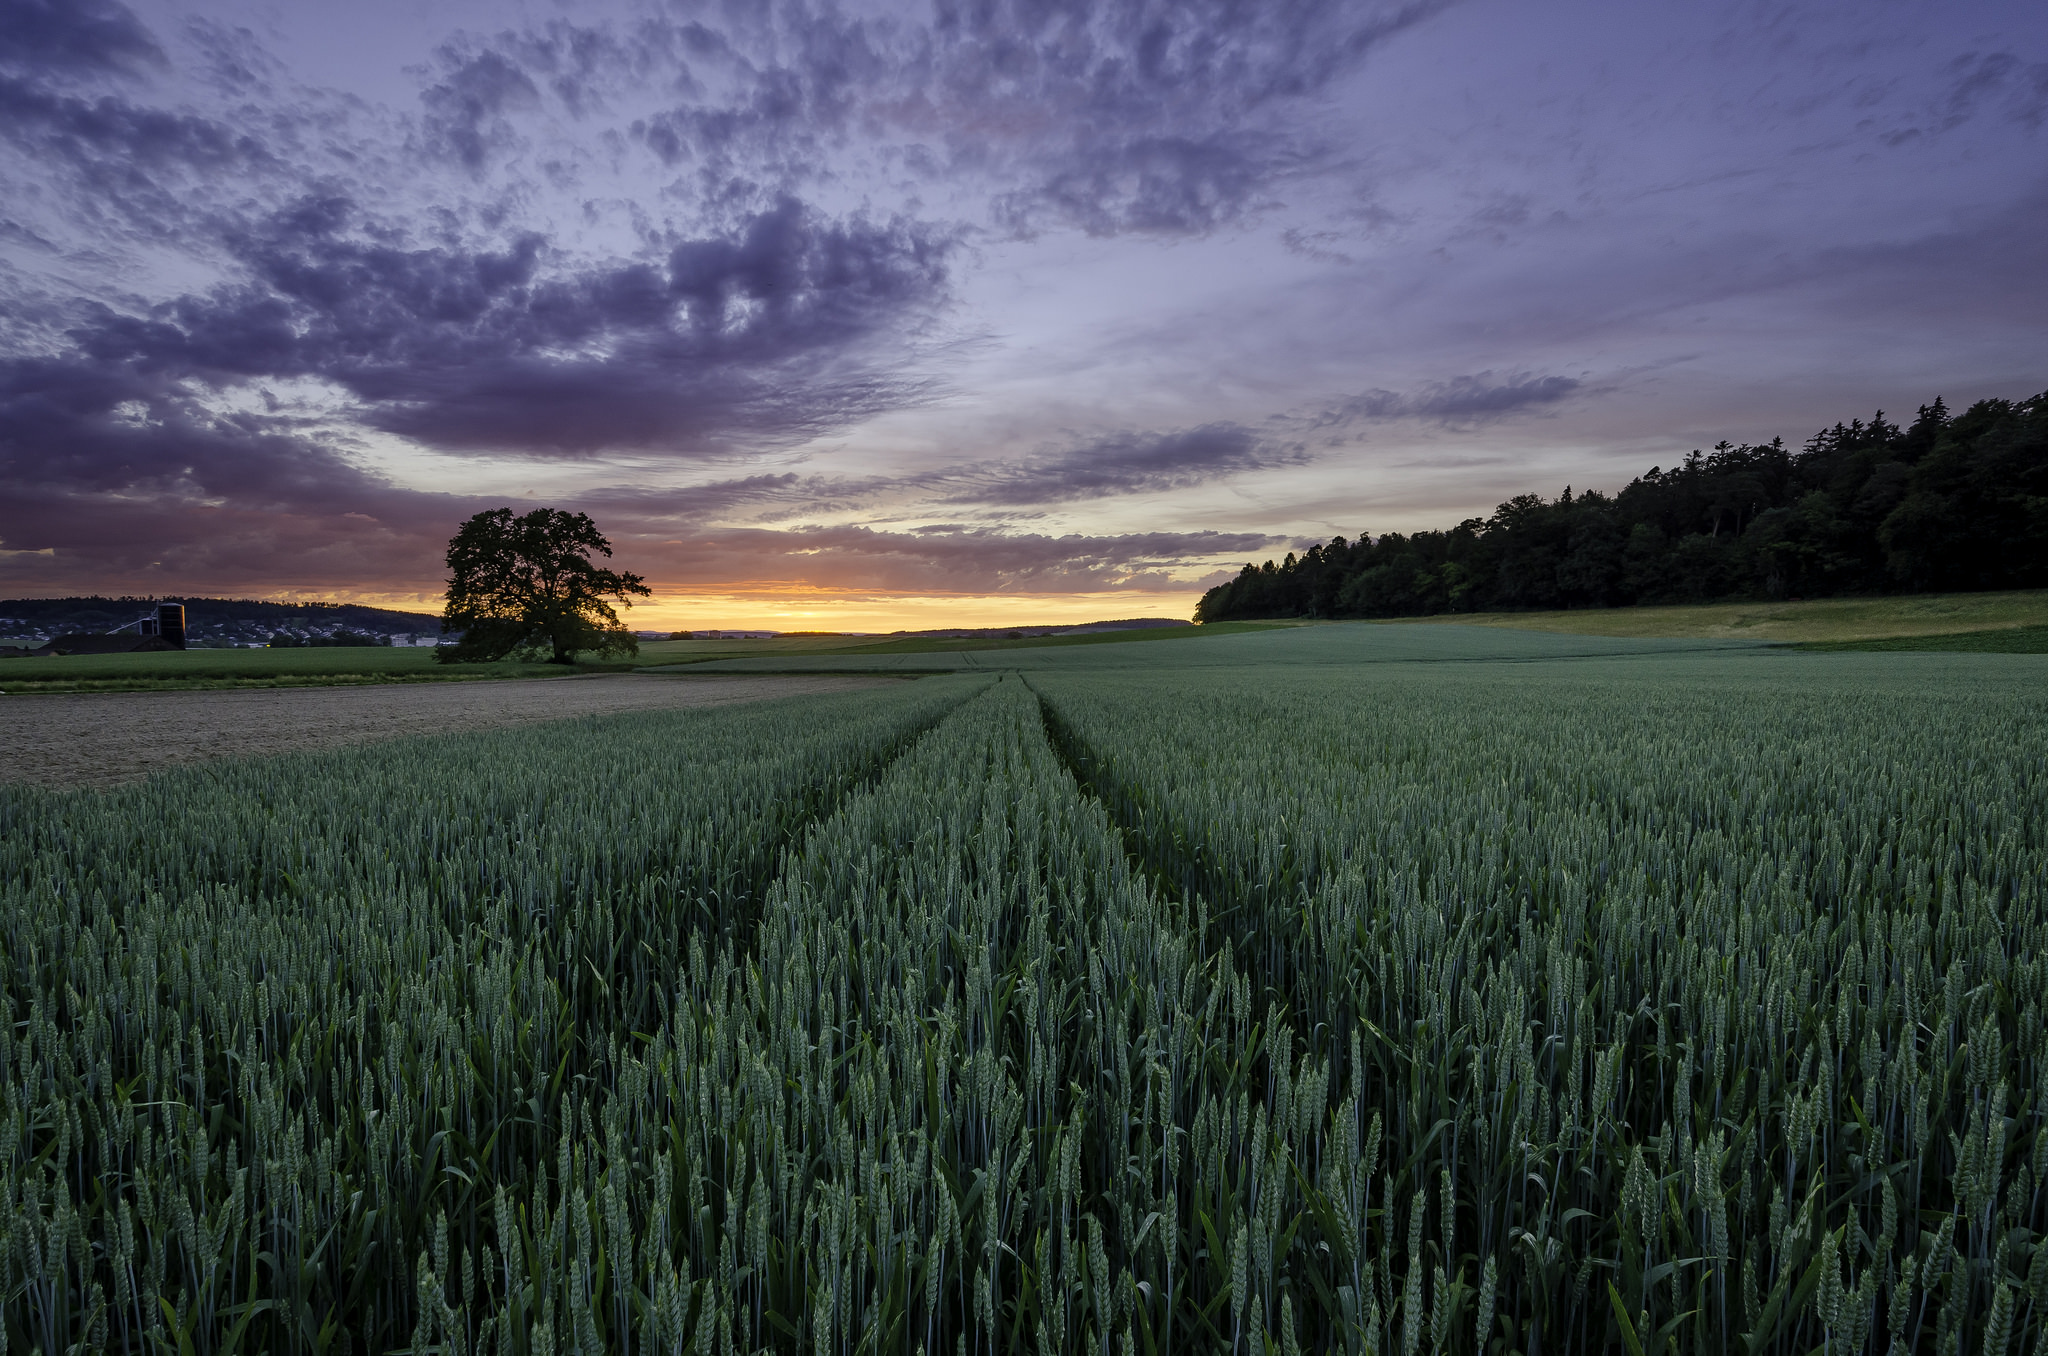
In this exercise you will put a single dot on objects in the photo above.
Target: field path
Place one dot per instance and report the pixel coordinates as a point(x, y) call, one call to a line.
point(102, 739)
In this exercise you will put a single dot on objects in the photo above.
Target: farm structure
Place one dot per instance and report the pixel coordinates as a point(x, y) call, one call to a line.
point(210, 623)
point(162, 629)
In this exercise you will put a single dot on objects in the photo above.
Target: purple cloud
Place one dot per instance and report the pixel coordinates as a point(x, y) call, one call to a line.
point(1460, 401)
point(1000, 266)
point(75, 37)
point(733, 340)
point(1128, 463)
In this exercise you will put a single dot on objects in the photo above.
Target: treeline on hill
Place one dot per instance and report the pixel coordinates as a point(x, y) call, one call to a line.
point(96, 613)
point(338, 641)
point(1951, 503)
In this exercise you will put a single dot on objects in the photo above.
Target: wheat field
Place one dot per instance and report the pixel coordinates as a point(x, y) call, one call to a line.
point(1661, 1002)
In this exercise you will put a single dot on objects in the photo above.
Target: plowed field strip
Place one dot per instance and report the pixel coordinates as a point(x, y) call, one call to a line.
point(102, 739)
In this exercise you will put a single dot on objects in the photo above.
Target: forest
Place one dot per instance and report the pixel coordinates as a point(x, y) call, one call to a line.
point(1951, 503)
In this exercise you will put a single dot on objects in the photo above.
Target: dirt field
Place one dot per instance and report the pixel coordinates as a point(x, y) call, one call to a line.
point(102, 739)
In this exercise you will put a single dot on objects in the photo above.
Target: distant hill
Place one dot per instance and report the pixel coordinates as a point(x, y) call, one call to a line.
point(941, 633)
point(219, 621)
point(1001, 632)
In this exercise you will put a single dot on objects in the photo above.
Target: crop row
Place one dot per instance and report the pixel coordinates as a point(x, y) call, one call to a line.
point(1246, 1011)
point(269, 1024)
point(1697, 1015)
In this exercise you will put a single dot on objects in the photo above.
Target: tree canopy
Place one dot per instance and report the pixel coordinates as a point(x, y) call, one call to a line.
point(527, 584)
point(1953, 502)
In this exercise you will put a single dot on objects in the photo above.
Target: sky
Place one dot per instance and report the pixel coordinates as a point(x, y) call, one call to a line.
point(877, 315)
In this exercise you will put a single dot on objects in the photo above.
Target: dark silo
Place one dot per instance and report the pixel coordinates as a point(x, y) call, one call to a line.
point(170, 623)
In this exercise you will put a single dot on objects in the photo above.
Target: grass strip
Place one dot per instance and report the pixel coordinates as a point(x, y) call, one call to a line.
point(1838, 620)
point(2006, 640)
point(223, 670)
point(954, 645)
point(72, 686)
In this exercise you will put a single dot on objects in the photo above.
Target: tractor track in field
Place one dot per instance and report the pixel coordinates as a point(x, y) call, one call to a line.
point(105, 739)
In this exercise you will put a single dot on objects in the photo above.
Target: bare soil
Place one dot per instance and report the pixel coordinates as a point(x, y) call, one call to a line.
point(103, 739)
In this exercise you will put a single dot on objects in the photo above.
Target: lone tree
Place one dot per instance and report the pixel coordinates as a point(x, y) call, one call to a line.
point(526, 584)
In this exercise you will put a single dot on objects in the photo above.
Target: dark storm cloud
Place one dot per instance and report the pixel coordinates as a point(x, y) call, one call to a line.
point(128, 476)
point(639, 231)
point(77, 426)
point(82, 36)
point(1128, 118)
point(132, 429)
point(151, 486)
point(121, 469)
point(1131, 463)
point(126, 544)
point(731, 340)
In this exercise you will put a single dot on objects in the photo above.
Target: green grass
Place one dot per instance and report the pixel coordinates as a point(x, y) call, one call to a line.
point(931, 645)
point(341, 666)
point(2009, 640)
point(1985, 622)
point(1341, 989)
point(1819, 619)
point(671, 653)
point(1317, 645)
point(177, 670)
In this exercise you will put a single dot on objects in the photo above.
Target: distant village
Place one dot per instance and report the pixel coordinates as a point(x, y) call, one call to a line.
point(56, 626)
point(120, 625)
